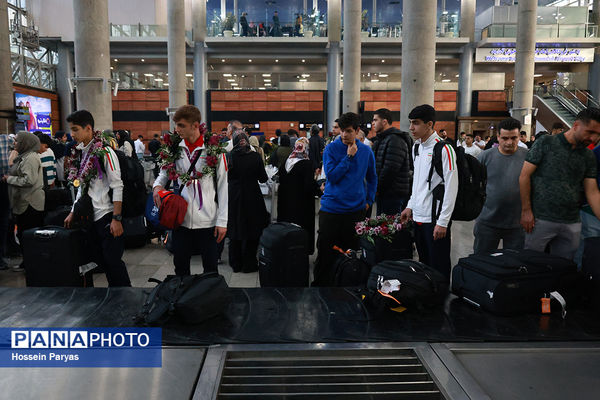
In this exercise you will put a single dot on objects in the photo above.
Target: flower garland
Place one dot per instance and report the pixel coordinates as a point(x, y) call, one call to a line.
point(170, 152)
point(383, 226)
point(81, 170)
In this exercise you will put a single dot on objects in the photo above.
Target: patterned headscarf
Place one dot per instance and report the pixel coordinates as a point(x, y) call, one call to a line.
point(300, 153)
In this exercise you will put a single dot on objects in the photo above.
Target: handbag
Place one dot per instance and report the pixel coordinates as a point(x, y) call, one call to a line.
point(173, 206)
point(83, 210)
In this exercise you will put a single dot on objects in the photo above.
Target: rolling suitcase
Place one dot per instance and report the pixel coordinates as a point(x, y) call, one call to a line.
point(57, 217)
point(510, 281)
point(351, 270)
point(283, 256)
point(52, 256)
point(135, 233)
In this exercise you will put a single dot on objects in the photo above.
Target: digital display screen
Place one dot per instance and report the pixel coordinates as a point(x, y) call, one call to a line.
point(38, 109)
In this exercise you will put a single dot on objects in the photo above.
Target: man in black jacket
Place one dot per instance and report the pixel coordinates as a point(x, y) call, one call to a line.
point(393, 164)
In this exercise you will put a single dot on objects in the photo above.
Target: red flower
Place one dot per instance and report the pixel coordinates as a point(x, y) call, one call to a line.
point(213, 141)
point(384, 230)
point(167, 139)
point(211, 161)
point(163, 156)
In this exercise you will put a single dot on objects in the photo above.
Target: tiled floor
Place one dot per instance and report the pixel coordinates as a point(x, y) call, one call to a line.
point(153, 261)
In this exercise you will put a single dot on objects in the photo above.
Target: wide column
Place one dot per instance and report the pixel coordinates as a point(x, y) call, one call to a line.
point(418, 56)
point(525, 63)
point(200, 71)
point(64, 72)
point(7, 102)
point(334, 36)
point(594, 74)
point(92, 60)
point(467, 29)
point(352, 51)
point(176, 54)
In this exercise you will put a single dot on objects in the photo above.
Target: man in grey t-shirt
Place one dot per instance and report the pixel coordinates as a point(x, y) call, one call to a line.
point(501, 213)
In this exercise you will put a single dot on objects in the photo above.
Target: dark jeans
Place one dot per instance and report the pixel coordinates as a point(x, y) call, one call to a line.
point(487, 238)
point(30, 219)
point(108, 252)
point(4, 216)
point(242, 255)
point(434, 253)
point(187, 242)
point(391, 205)
point(334, 230)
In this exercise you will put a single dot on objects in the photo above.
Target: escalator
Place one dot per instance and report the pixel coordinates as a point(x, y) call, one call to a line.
point(558, 104)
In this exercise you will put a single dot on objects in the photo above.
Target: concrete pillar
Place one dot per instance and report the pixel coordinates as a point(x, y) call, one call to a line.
point(223, 8)
point(594, 74)
point(352, 51)
point(595, 12)
point(92, 60)
point(333, 84)
point(176, 53)
point(467, 29)
point(334, 20)
point(200, 70)
point(525, 62)
point(235, 14)
point(304, 6)
point(374, 16)
point(315, 5)
point(64, 72)
point(418, 56)
point(7, 101)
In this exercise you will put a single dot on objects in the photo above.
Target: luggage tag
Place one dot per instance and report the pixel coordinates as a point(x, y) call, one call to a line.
point(546, 309)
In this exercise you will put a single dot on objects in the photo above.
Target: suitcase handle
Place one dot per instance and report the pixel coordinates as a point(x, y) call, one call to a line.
point(45, 233)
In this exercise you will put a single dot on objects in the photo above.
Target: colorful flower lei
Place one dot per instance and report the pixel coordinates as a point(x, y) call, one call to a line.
point(383, 226)
point(78, 175)
point(170, 152)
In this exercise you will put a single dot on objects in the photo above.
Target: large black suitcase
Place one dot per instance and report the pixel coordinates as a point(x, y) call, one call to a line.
point(57, 216)
point(52, 256)
point(135, 233)
point(509, 282)
point(283, 256)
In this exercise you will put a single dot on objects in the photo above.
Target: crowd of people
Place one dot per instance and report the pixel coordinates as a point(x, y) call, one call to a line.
point(541, 194)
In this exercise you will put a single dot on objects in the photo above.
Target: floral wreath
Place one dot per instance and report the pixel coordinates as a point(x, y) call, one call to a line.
point(170, 152)
point(382, 226)
point(82, 170)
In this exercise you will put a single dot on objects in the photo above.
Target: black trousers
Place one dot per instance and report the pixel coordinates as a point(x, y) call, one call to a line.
point(242, 255)
point(434, 253)
point(4, 217)
point(188, 242)
point(108, 252)
point(334, 230)
point(29, 219)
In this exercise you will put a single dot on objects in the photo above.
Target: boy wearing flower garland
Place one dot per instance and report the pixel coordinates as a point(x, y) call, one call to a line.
point(91, 179)
point(205, 190)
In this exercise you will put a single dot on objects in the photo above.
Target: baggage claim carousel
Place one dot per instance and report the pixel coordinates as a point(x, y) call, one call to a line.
point(315, 343)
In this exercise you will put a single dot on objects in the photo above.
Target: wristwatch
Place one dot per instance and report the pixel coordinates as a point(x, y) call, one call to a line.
point(118, 217)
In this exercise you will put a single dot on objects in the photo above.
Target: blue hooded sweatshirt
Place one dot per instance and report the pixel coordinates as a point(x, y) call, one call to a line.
point(351, 181)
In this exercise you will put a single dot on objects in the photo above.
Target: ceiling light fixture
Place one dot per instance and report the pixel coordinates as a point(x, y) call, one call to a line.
point(158, 79)
point(382, 61)
point(276, 60)
point(223, 60)
point(143, 60)
point(446, 80)
point(267, 80)
point(305, 75)
point(266, 75)
point(374, 80)
point(230, 80)
point(189, 74)
point(537, 75)
point(148, 74)
point(249, 60)
point(267, 84)
point(383, 75)
point(116, 60)
point(262, 88)
point(226, 75)
point(303, 80)
point(234, 84)
point(303, 60)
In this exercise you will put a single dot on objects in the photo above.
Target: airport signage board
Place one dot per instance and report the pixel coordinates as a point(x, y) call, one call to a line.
point(542, 55)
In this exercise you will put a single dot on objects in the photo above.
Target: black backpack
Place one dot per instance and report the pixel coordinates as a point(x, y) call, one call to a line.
point(351, 270)
point(420, 285)
point(472, 179)
point(134, 187)
point(192, 299)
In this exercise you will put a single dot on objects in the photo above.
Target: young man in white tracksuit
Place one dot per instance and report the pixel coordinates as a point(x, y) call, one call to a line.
point(432, 233)
point(205, 223)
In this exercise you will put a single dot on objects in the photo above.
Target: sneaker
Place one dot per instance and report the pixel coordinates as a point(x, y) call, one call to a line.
point(18, 268)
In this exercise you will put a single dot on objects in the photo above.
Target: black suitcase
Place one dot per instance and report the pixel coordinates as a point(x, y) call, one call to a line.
point(401, 248)
point(509, 282)
point(351, 271)
point(52, 256)
point(283, 256)
point(135, 233)
point(590, 268)
point(420, 285)
point(57, 217)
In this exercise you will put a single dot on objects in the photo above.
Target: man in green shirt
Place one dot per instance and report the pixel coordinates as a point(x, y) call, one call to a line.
point(558, 170)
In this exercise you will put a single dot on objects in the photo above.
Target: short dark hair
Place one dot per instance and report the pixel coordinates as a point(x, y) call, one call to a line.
point(314, 129)
point(140, 137)
point(82, 118)
point(587, 115)
point(44, 139)
point(337, 120)
point(59, 134)
point(470, 135)
point(156, 136)
point(349, 119)
point(423, 112)
point(463, 133)
point(277, 132)
point(523, 133)
point(189, 113)
point(442, 130)
point(559, 125)
point(384, 113)
point(509, 124)
point(292, 132)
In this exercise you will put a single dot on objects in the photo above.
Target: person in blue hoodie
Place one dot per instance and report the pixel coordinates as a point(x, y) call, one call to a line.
point(349, 192)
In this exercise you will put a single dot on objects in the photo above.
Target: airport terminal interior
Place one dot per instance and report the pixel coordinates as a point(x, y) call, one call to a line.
point(148, 140)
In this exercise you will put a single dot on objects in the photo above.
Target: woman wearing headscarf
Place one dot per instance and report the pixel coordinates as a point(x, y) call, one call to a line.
point(26, 185)
point(297, 191)
point(247, 212)
point(280, 156)
point(256, 147)
point(124, 144)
